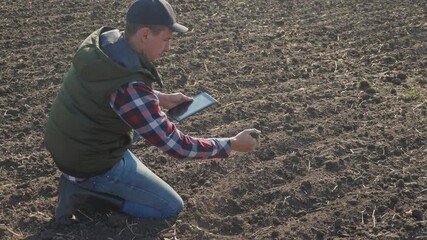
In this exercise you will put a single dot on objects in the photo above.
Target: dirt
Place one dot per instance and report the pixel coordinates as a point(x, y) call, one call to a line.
point(338, 89)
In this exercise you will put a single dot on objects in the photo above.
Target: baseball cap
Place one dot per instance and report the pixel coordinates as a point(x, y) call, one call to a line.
point(154, 12)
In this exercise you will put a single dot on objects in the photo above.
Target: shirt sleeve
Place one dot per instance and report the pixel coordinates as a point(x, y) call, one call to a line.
point(138, 106)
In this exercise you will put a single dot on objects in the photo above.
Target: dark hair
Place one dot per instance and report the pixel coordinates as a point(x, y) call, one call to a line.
point(132, 28)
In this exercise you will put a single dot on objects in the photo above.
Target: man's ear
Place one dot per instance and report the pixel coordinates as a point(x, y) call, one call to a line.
point(143, 34)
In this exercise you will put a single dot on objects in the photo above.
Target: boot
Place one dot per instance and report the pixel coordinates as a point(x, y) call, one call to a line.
point(71, 197)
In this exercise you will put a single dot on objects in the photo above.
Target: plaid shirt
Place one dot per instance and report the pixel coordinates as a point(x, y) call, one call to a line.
point(138, 106)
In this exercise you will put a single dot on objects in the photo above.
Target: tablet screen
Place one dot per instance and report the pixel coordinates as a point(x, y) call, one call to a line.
point(184, 110)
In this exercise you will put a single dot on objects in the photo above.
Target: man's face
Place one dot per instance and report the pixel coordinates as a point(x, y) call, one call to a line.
point(154, 45)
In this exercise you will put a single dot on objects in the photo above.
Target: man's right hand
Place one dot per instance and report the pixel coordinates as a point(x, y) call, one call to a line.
point(171, 100)
point(245, 140)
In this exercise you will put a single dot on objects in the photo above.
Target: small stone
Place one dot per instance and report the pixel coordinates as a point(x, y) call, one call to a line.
point(184, 228)
point(353, 202)
point(320, 129)
point(311, 111)
point(276, 221)
point(306, 186)
point(338, 223)
point(401, 76)
point(417, 214)
point(279, 181)
point(163, 160)
point(393, 200)
point(363, 85)
point(400, 183)
point(237, 221)
point(370, 91)
point(274, 234)
point(392, 236)
point(332, 166)
point(319, 233)
point(388, 60)
point(382, 208)
point(410, 226)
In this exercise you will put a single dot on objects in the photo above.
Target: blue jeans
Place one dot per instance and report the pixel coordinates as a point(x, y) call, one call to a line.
point(145, 194)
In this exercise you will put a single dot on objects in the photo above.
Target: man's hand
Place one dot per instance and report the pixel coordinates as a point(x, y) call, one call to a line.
point(245, 141)
point(169, 101)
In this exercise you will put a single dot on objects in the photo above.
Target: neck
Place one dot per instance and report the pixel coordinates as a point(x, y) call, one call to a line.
point(133, 43)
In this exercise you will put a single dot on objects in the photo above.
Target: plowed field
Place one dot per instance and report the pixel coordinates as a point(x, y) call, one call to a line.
point(338, 89)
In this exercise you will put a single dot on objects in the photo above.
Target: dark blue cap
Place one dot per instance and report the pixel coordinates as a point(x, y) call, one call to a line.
point(154, 12)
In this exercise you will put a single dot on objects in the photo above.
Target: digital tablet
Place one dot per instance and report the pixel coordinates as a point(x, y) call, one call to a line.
point(184, 110)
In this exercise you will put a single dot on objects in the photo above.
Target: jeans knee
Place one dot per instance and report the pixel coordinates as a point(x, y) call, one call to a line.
point(176, 206)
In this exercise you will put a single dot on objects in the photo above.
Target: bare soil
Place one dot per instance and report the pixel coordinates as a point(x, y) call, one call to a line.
point(338, 89)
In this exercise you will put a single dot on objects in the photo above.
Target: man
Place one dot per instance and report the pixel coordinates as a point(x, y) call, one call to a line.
point(106, 101)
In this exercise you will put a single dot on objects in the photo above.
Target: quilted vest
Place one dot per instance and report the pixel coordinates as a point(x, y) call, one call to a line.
point(83, 134)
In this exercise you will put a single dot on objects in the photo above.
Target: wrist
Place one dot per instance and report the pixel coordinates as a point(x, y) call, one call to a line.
point(161, 97)
point(233, 143)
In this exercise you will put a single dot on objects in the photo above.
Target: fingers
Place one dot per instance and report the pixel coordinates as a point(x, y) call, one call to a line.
point(254, 133)
point(246, 141)
point(187, 98)
point(253, 130)
point(184, 98)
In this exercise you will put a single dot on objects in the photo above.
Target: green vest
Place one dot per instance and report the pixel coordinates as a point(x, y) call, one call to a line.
point(83, 134)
